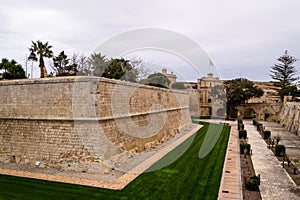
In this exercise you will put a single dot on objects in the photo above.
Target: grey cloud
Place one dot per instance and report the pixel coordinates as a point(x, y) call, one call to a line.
point(239, 36)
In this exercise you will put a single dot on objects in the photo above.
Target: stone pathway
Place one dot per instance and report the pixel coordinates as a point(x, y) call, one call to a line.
point(275, 181)
point(231, 187)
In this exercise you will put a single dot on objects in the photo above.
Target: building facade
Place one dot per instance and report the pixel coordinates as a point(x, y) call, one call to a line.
point(172, 77)
point(210, 103)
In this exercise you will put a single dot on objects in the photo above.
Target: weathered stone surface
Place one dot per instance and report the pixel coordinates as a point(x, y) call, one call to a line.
point(290, 117)
point(71, 122)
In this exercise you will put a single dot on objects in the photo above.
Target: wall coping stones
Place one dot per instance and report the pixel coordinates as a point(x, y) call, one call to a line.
point(72, 79)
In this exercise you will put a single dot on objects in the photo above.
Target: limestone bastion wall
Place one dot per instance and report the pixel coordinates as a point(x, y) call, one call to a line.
point(290, 117)
point(194, 102)
point(60, 122)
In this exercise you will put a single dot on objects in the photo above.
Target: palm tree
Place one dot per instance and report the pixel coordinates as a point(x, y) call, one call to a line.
point(98, 63)
point(38, 49)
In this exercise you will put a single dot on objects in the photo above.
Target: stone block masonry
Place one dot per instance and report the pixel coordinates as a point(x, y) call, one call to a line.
point(76, 123)
point(290, 117)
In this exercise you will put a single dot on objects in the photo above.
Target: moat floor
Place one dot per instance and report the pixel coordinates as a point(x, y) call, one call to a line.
point(118, 182)
point(196, 174)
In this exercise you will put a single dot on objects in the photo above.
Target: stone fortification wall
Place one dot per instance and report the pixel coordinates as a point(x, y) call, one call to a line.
point(75, 122)
point(194, 102)
point(290, 117)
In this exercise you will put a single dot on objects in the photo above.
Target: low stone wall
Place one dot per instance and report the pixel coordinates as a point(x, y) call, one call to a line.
point(290, 117)
point(73, 123)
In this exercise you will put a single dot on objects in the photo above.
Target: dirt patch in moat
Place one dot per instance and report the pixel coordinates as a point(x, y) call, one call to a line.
point(248, 170)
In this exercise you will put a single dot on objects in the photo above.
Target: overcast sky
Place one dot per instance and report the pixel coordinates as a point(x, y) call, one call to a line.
point(242, 37)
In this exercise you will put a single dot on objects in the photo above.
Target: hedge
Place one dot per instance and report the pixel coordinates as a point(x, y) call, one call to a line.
point(242, 134)
point(259, 127)
point(267, 134)
point(241, 127)
point(244, 146)
point(255, 122)
point(252, 183)
point(279, 150)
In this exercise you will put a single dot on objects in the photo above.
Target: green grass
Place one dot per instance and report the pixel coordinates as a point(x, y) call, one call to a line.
point(188, 177)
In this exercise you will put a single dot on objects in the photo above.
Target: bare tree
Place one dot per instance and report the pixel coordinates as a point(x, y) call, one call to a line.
point(143, 68)
point(81, 61)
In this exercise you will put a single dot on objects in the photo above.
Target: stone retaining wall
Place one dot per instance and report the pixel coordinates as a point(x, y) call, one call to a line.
point(75, 122)
point(290, 117)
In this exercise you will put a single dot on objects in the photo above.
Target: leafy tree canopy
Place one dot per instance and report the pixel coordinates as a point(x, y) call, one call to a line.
point(12, 70)
point(178, 85)
point(289, 91)
point(120, 69)
point(117, 68)
point(238, 91)
point(284, 70)
point(62, 66)
point(97, 64)
point(158, 80)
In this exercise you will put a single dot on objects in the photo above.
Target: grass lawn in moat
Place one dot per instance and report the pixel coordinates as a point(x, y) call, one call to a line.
point(188, 177)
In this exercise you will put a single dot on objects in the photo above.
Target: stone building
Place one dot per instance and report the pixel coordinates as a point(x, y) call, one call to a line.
point(172, 77)
point(215, 105)
point(209, 104)
point(270, 93)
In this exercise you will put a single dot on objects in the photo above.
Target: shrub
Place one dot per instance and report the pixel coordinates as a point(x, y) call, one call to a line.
point(242, 134)
point(252, 183)
point(255, 122)
point(267, 134)
point(240, 124)
point(259, 127)
point(244, 146)
point(241, 127)
point(277, 139)
point(279, 150)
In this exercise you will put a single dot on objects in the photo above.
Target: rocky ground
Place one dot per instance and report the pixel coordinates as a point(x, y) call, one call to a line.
point(112, 169)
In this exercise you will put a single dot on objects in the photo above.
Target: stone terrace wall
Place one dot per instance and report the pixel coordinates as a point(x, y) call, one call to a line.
point(75, 122)
point(290, 117)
